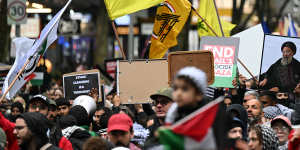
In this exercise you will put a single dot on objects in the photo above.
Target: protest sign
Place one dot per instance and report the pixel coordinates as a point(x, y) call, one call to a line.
point(280, 63)
point(225, 52)
point(203, 60)
point(81, 83)
point(111, 67)
point(250, 50)
point(138, 79)
point(272, 50)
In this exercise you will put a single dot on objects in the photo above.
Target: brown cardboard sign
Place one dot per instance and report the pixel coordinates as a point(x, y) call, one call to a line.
point(203, 60)
point(138, 79)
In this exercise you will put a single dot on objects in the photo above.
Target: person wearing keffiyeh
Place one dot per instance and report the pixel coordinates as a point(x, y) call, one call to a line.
point(262, 137)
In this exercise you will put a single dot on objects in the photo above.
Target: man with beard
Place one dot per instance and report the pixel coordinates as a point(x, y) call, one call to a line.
point(31, 131)
point(284, 74)
point(255, 110)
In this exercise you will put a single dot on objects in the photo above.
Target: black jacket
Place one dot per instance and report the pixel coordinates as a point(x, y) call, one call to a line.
point(285, 81)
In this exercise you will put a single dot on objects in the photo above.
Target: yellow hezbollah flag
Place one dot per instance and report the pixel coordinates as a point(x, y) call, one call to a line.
point(118, 8)
point(208, 12)
point(169, 20)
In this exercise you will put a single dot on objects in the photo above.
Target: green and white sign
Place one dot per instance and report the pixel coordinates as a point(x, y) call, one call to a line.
point(16, 12)
point(225, 51)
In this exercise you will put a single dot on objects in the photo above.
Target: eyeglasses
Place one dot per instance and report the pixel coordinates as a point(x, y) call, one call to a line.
point(162, 102)
point(282, 128)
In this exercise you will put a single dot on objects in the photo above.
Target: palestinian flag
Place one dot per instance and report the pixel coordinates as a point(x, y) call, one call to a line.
point(37, 78)
point(205, 129)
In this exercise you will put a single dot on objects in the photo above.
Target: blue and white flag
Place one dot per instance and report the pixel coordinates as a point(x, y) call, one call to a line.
point(33, 50)
point(292, 32)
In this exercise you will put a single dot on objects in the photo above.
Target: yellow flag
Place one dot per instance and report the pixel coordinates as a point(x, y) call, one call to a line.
point(118, 8)
point(208, 12)
point(169, 20)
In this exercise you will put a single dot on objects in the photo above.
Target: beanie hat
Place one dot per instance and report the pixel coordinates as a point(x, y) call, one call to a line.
point(67, 121)
point(271, 112)
point(196, 75)
point(235, 122)
point(80, 114)
point(18, 105)
point(290, 45)
point(37, 123)
point(62, 101)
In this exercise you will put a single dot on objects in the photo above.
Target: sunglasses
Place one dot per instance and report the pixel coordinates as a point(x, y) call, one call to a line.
point(162, 102)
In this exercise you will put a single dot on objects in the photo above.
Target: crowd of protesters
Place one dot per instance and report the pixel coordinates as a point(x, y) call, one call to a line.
point(260, 117)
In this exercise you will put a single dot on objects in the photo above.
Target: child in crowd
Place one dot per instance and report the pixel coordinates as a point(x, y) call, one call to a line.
point(188, 93)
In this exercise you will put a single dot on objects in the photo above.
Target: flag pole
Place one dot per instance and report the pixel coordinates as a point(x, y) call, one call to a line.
point(223, 36)
point(15, 79)
point(204, 21)
point(117, 37)
point(218, 18)
point(221, 28)
point(247, 69)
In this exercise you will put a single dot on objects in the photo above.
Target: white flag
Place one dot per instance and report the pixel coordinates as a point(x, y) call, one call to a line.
point(34, 52)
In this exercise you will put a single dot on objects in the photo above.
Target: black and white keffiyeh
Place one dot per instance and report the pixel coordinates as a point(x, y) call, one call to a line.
point(270, 139)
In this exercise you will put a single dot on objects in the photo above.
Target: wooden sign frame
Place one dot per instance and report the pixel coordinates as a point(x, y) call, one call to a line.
point(189, 57)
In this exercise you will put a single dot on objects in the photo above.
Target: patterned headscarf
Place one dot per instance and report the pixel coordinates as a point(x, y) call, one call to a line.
point(270, 139)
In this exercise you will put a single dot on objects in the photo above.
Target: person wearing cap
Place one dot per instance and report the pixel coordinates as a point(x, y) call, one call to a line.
point(31, 131)
point(120, 131)
point(52, 111)
point(39, 103)
point(236, 129)
point(284, 74)
point(63, 106)
point(189, 88)
point(162, 101)
point(282, 127)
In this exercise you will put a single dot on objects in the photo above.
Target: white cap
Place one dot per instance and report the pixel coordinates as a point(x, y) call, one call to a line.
point(197, 76)
point(85, 101)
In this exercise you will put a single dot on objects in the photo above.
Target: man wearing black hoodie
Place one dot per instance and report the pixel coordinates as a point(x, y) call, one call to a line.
point(31, 131)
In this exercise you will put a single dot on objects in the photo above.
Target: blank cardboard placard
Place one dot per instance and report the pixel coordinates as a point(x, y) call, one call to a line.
point(250, 51)
point(138, 79)
point(203, 60)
